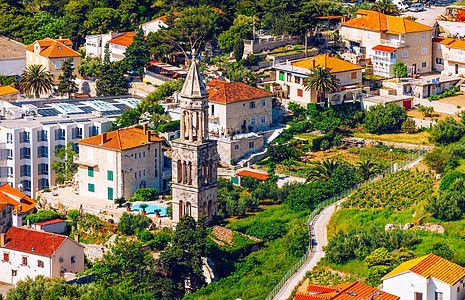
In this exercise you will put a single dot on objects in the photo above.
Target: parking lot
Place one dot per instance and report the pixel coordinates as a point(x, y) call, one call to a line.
point(428, 16)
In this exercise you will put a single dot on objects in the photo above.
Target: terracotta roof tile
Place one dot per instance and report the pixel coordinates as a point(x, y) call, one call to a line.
point(54, 221)
point(121, 139)
point(457, 44)
point(347, 291)
point(11, 195)
point(253, 174)
point(443, 40)
point(384, 48)
point(215, 82)
point(32, 241)
point(335, 64)
point(54, 48)
point(321, 288)
point(231, 92)
point(124, 39)
point(431, 266)
point(5, 90)
point(381, 22)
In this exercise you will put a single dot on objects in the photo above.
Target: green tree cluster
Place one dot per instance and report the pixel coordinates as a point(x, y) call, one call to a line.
point(64, 166)
point(147, 194)
point(448, 204)
point(112, 81)
point(136, 54)
point(66, 83)
point(42, 216)
point(384, 119)
point(447, 131)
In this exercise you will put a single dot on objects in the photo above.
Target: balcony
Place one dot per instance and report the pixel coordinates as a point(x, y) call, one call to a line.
point(383, 59)
point(392, 43)
point(78, 161)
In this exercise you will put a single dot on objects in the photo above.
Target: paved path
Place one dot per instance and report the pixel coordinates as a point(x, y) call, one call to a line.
point(319, 238)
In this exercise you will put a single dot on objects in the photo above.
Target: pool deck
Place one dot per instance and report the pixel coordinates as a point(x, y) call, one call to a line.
point(105, 209)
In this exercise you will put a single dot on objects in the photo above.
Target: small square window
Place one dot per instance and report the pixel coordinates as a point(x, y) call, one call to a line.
point(423, 51)
point(251, 145)
point(300, 93)
point(73, 259)
point(353, 75)
point(90, 171)
point(424, 36)
point(91, 187)
point(263, 102)
point(24, 261)
point(405, 53)
point(40, 264)
point(252, 121)
point(110, 175)
point(297, 79)
point(6, 257)
point(263, 120)
point(236, 147)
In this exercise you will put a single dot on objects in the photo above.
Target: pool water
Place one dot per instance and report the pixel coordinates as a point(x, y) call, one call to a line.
point(150, 209)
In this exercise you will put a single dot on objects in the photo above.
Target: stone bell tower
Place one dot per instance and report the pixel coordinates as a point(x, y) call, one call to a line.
point(195, 157)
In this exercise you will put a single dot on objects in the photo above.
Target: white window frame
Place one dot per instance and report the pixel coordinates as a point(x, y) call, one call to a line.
point(424, 51)
point(405, 53)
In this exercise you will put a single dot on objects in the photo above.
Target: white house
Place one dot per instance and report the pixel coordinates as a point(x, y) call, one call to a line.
point(154, 25)
point(32, 130)
point(95, 44)
point(52, 226)
point(26, 252)
point(429, 277)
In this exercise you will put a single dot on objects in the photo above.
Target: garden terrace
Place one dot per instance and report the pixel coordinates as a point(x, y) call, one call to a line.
point(397, 191)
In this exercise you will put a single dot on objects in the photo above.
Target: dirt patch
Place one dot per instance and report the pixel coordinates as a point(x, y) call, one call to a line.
point(4, 287)
point(456, 100)
point(436, 115)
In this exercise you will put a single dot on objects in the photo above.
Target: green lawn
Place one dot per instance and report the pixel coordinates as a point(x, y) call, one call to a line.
point(420, 138)
point(309, 137)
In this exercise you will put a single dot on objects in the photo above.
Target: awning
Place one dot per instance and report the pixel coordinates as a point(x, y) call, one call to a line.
point(85, 163)
point(384, 48)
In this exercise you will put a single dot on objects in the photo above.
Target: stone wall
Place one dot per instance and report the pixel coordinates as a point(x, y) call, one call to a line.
point(262, 44)
point(13, 97)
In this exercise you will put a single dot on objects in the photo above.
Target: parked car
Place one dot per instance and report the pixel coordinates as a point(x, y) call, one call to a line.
point(417, 7)
point(402, 6)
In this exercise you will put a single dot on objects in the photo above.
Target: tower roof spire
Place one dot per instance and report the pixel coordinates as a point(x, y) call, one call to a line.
point(193, 85)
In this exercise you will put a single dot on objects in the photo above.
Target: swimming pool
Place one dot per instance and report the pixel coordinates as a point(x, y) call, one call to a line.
point(150, 209)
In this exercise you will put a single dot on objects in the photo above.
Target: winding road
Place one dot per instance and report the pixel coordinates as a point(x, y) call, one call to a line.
point(319, 239)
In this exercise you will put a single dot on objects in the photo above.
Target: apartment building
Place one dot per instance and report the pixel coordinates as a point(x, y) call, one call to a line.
point(32, 130)
point(386, 40)
point(118, 163)
point(95, 44)
point(291, 76)
point(449, 56)
point(29, 253)
point(51, 54)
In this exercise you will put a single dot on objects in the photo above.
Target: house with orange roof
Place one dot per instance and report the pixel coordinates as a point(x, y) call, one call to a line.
point(429, 277)
point(51, 53)
point(154, 25)
point(291, 77)
point(118, 163)
point(118, 43)
point(16, 204)
point(8, 93)
point(237, 111)
point(449, 56)
point(384, 40)
point(28, 253)
point(346, 291)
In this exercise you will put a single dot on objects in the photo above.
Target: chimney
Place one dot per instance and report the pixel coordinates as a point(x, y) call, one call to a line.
point(2, 239)
point(145, 128)
point(313, 63)
point(104, 137)
point(76, 237)
point(345, 18)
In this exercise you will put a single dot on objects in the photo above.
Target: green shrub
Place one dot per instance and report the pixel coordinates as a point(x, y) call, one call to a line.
point(170, 126)
point(129, 224)
point(448, 179)
point(42, 216)
point(147, 194)
point(447, 131)
point(380, 119)
point(160, 240)
point(266, 231)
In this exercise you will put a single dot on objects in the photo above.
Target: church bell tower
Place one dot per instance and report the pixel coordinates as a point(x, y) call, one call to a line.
point(194, 157)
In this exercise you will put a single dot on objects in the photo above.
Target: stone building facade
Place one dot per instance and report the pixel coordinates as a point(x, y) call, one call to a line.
point(195, 157)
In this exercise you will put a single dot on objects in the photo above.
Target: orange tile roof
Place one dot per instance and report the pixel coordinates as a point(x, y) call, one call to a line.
point(26, 203)
point(54, 48)
point(215, 82)
point(431, 266)
point(346, 291)
point(54, 221)
point(457, 44)
point(257, 175)
point(443, 40)
point(32, 241)
point(231, 92)
point(121, 139)
point(316, 288)
point(124, 39)
point(384, 48)
point(5, 90)
point(162, 18)
point(333, 63)
point(380, 22)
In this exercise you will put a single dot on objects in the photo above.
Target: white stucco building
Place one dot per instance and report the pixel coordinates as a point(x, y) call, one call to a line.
point(154, 25)
point(32, 130)
point(25, 252)
point(95, 44)
point(428, 277)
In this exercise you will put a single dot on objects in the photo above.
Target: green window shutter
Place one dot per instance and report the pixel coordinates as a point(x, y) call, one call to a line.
point(281, 76)
point(91, 187)
point(110, 175)
point(110, 193)
point(90, 171)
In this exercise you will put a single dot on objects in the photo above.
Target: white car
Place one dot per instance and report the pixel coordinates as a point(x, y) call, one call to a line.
point(417, 7)
point(402, 7)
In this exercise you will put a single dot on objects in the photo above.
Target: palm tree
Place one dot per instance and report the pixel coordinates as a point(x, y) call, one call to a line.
point(385, 7)
point(35, 79)
point(322, 170)
point(321, 80)
point(367, 168)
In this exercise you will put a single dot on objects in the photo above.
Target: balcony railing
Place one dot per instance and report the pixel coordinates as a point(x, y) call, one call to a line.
point(392, 43)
